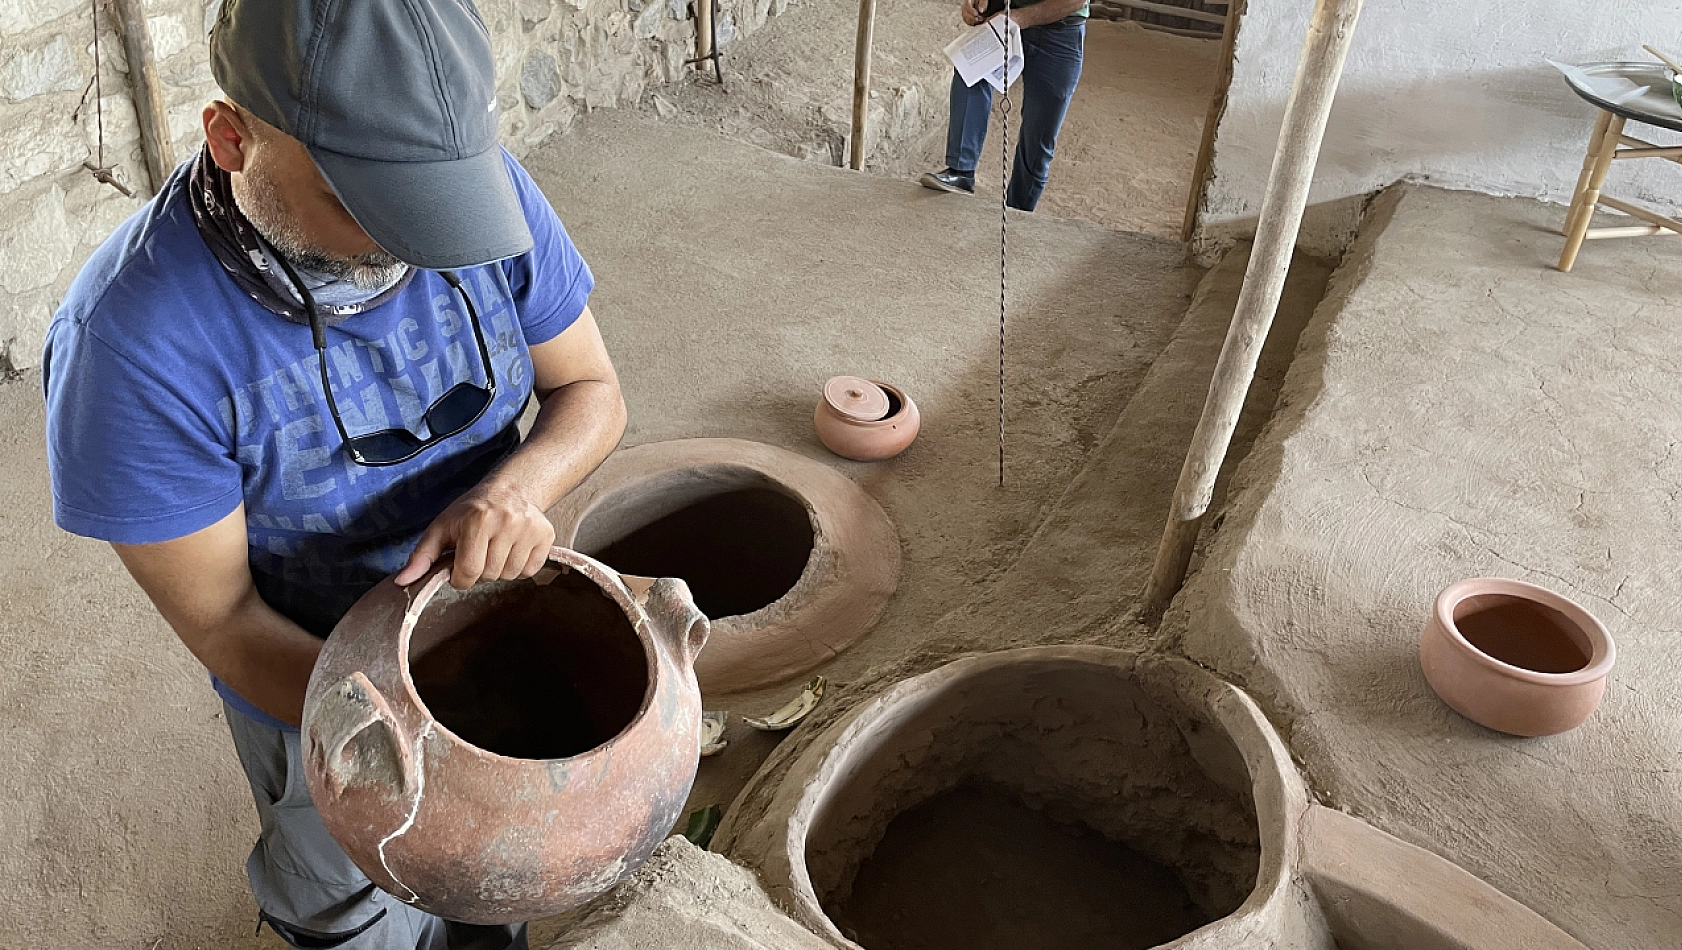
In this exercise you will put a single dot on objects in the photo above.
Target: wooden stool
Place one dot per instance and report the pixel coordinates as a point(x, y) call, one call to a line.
point(1604, 149)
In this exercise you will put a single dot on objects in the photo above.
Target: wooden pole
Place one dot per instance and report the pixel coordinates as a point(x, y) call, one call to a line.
point(1212, 121)
point(861, 80)
point(1185, 13)
point(155, 139)
point(1323, 51)
point(703, 33)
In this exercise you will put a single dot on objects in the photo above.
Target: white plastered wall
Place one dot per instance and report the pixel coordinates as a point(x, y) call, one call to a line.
point(1452, 92)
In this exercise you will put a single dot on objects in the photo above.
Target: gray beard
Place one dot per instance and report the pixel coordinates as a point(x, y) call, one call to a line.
point(262, 206)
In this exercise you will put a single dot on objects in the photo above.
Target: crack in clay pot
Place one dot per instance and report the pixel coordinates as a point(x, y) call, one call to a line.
point(409, 819)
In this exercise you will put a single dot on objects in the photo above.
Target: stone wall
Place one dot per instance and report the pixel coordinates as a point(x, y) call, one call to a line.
point(52, 212)
point(555, 59)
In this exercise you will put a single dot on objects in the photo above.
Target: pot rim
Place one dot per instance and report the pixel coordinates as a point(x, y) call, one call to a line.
point(775, 481)
point(906, 408)
point(604, 577)
point(774, 841)
point(846, 584)
point(1603, 652)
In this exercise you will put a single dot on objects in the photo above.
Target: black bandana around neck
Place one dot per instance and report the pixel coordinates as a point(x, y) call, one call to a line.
point(245, 255)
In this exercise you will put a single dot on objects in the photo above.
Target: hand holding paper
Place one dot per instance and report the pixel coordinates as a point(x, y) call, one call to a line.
point(979, 53)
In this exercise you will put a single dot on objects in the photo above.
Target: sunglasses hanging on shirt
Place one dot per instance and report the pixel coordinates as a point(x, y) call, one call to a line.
point(456, 410)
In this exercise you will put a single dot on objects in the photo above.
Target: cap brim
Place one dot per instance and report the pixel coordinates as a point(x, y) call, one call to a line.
point(433, 215)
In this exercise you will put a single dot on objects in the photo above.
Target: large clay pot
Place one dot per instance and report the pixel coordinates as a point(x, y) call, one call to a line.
point(1515, 657)
point(511, 751)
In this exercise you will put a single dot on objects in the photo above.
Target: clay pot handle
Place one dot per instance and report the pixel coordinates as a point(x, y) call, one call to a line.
point(676, 618)
point(349, 710)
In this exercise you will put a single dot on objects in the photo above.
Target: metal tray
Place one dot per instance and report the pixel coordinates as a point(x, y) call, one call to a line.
point(1656, 105)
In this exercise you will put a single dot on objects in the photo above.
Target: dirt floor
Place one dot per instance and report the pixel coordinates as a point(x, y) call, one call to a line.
point(1125, 155)
point(1023, 882)
point(1460, 409)
point(1455, 408)
point(1124, 158)
point(1032, 552)
point(727, 296)
point(921, 314)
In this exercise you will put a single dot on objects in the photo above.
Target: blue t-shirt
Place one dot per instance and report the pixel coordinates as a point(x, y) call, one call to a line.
point(173, 396)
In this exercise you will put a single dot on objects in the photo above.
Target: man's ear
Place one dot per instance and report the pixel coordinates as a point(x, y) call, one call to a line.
point(227, 134)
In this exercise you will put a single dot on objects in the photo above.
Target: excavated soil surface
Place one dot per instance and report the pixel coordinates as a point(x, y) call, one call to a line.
point(1459, 408)
point(1124, 157)
point(976, 869)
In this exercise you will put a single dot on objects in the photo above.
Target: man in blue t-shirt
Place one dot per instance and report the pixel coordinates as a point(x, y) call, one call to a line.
point(298, 370)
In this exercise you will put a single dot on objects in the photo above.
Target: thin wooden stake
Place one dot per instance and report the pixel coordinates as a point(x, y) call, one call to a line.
point(703, 33)
point(1323, 52)
point(155, 139)
point(861, 81)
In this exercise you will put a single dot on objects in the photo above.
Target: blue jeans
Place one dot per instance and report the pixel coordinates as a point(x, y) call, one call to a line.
point(1051, 57)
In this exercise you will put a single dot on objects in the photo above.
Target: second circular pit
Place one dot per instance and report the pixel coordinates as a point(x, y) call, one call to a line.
point(790, 560)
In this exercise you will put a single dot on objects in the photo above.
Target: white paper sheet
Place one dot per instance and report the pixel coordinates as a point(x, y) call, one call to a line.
point(979, 53)
point(1614, 89)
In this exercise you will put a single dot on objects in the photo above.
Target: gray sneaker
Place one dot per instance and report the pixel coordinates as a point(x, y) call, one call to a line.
point(948, 180)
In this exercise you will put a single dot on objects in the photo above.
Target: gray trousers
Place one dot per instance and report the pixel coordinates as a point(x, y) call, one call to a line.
point(306, 887)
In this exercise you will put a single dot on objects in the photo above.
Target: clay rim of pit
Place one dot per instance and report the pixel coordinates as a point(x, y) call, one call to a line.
point(1603, 652)
point(850, 575)
point(611, 585)
point(772, 840)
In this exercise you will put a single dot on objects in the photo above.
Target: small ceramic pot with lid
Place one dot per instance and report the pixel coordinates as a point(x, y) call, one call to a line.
point(1515, 657)
point(865, 420)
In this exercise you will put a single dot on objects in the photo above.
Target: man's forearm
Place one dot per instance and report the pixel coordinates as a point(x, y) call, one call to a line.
point(202, 586)
point(1046, 11)
point(262, 656)
point(577, 427)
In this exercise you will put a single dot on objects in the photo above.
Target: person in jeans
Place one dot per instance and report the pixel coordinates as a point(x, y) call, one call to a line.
point(299, 369)
point(1053, 41)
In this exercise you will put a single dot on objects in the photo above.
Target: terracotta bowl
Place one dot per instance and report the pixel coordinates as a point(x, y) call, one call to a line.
point(1515, 657)
point(850, 425)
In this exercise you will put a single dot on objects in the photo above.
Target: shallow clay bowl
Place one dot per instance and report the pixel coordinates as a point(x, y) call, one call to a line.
point(1515, 657)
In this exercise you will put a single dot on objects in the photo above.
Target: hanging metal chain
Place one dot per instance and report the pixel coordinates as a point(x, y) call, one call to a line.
point(101, 172)
point(1004, 207)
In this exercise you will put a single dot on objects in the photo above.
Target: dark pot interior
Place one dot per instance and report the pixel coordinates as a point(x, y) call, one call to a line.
point(1523, 633)
point(740, 541)
point(530, 670)
point(1044, 806)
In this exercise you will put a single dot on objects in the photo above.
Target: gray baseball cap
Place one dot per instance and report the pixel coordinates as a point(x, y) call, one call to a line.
point(396, 102)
